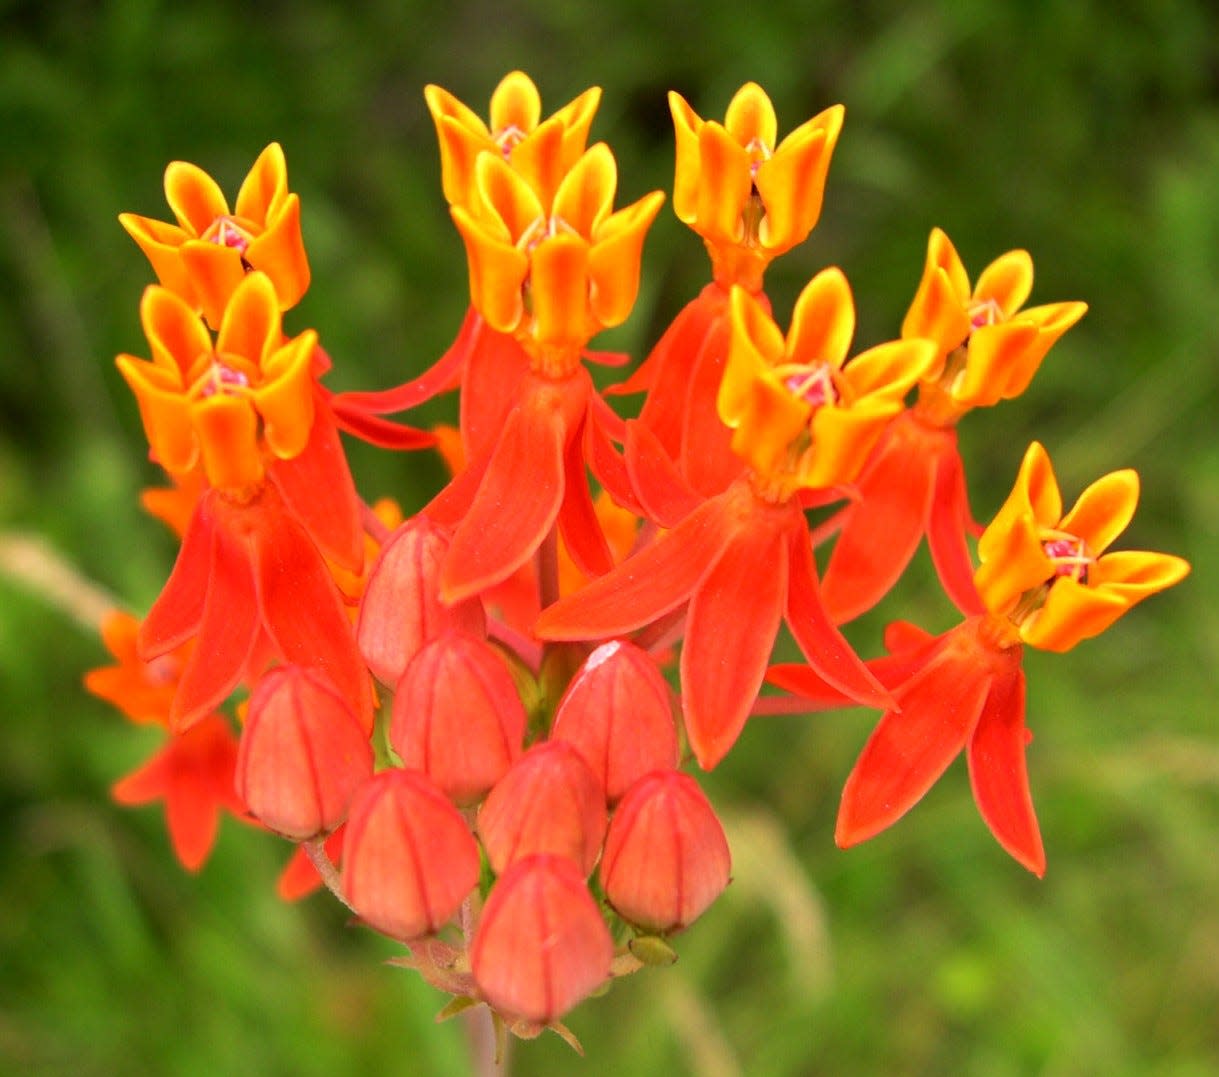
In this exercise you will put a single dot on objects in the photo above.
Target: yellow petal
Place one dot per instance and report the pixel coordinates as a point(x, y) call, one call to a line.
point(1013, 560)
point(215, 273)
point(576, 118)
point(558, 289)
point(1007, 281)
point(792, 183)
point(614, 262)
point(280, 253)
point(890, 370)
point(1103, 510)
point(755, 345)
point(251, 323)
point(823, 320)
point(842, 440)
point(284, 399)
point(265, 187)
point(497, 273)
point(751, 116)
point(506, 205)
point(767, 420)
point(586, 195)
point(541, 161)
point(687, 175)
point(160, 243)
point(724, 184)
point(175, 334)
point(939, 311)
point(515, 102)
point(194, 197)
point(1072, 612)
point(165, 413)
point(228, 439)
point(460, 147)
point(1001, 357)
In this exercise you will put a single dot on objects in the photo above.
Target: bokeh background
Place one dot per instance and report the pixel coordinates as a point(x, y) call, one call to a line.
point(1087, 132)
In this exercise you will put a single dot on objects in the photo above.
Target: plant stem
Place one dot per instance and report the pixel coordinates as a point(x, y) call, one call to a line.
point(316, 852)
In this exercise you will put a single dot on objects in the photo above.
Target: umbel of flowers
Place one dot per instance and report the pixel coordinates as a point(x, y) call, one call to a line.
point(467, 720)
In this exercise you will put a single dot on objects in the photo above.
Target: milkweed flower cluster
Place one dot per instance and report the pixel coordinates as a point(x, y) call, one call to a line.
point(471, 711)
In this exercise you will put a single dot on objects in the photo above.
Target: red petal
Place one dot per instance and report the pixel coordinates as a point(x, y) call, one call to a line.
point(176, 613)
point(578, 521)
point(948, 521)
point(649, 584)
point(911, 747)
point(516, 505)
point(706, 443)
point(303, 612)
point(664, 495)
point(442, 376)
point(823, 645)
point(882, 530)
point(318, 488)
point(730, 631)
point(226, 633)
point(999, 776)
point(494, 368)
point(607, 465)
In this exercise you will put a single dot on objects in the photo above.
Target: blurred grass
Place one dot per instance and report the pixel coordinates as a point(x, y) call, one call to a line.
point(1086, 132)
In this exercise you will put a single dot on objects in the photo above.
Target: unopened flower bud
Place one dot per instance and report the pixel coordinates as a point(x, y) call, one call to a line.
point(409, 860)
point(618, 714)
point(303, 753)
point(666, 857)
point(457, 716)
point(549, 802)
point(541, 945)
point(401, 609)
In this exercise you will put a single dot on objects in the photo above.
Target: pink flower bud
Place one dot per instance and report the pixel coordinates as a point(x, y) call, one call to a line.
point(303, 753)
point(401, 609)
point(409, 860)
point(618, 713)
point(549, 802)
point(666, 858)
point(457, 716)
point(541, 944)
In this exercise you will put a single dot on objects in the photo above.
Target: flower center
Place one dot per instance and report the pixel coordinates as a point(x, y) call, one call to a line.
point(508, 138)
point(215, 373)
point(541, 228)
point(226, 232)
point(813, 383)
point(987, 312)
point(759, 153)
point(1069, 555)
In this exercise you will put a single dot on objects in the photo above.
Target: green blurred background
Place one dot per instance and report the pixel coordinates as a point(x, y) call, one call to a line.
point(1087, 132)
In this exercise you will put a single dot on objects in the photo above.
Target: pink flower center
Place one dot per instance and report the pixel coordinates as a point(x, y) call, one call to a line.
point(218, 377)
point(226, 232)
point(987, 312)
point(508, 139)
point(1070, 557)
point(759, 153)
point(814, 384)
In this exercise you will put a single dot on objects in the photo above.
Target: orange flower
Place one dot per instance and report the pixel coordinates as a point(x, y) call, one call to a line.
point(204, 257)
point(540, 152)
point(749, 198)
point(1044, 572)
point(989, 348)
point(800, 417)
point(553, 275)
point(143, 691)
point(221, 403)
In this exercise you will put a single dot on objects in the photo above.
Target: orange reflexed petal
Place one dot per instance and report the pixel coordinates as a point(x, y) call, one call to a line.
point(280, 253)
point(160, 243)
point(890, 370)
point(843, 437)
point(215, 273)
point(506, 206)
point(498, 271)
point(175, 334)
point(165, 413)
point(939, 310)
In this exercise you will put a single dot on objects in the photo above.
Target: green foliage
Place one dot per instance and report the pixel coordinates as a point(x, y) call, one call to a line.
point(1086, 132)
